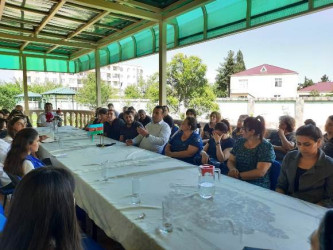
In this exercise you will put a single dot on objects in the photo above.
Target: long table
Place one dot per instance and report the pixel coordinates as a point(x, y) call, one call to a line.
point(239, 215)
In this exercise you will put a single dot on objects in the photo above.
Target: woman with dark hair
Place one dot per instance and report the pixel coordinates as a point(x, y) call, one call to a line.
point(14, 125)
point(193, 113)
point(307, 173)
point(19, 160)
point(322, 238)
point(252, 155)
point(42, 213)
point(328, 137)
point(217, 150)
point(284, 139)
point(238, 132)
point(185, 145)
point(208, 129)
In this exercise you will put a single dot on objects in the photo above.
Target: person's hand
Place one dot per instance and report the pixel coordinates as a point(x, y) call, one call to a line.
point(129, 142)
point(234, 173)
point(43, 137)
point(204, 158)
point(280, 131)
point(217, 138)
point(142, 131)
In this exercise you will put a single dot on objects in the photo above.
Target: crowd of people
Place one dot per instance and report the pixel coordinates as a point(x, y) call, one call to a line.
point(246, 152)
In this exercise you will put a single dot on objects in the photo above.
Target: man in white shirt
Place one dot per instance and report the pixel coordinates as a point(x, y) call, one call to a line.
point(47, 116)
point(155, 135)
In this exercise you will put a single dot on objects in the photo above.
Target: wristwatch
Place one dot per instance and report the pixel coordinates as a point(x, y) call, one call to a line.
point(147, 136)
point(217, 143)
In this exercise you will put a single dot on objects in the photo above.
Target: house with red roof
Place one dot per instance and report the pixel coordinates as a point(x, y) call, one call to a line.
point(264, 81)
point(320, 88)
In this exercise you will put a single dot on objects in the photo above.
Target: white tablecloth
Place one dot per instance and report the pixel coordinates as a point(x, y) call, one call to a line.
point(240, 214)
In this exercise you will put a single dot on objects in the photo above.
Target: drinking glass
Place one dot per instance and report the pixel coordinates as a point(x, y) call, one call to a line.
point(136, 183)
point(166, 226)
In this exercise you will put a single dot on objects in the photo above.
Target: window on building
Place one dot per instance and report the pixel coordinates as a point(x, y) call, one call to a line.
point(263, 69)
point(121, 69)
point(278, 82)
point(243, 83)
point(79, 81)
point(108, 75)
point(277, 96)
point(115, 68)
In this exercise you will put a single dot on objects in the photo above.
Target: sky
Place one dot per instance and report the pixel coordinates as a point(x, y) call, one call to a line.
point(303, 44)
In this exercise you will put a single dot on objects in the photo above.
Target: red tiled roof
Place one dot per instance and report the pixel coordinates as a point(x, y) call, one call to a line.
point(270, 70)
point(320, 87)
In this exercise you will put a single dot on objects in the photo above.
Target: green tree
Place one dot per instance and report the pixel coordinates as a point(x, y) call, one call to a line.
point(240, 64)
point(324, 78)
point(186, 76)
point(205, 102)
point(132, 92)
point(41, 88)
point(314, 93)
point(8, 91)
point(87, 94)
point(307, 82)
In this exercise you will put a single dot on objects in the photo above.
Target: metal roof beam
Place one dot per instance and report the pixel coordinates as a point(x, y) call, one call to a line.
point(52, 12)
point(119, 9)
point(47, 41)
point(186, 8)
point(2, 6)
point(128, 31)
point(83, 27)
point(140, 5)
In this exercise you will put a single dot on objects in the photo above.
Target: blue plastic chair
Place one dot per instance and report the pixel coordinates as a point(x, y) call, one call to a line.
point(274, 173)
point(5, 191)
point(3, 219)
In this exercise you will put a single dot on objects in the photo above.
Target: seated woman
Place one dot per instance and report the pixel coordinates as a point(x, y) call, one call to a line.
point(284, 139)
point(20, 159)
point(113, 125)
point(252, 155)
point(307, 173)
point(238, 132)
point(327, 146)
point(129, 131)
point(42, 213)
point(193, 113)
point(3, 128)
point(217, 150)
point(208, 129)
point(186, 144)
point(14, 125)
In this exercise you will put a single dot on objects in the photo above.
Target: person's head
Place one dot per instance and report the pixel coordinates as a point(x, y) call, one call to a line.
point(191, 113)
point(287, 123)
point(96, 111)
point(241, 120)
point(103, 115)
point(165, 110)
point(308, 139)
point(15, 125)
point(254, 126)
point(158, 114)
point(111, 115)
point(132, 109)
point(42, 212)
point(129, 117)
point(125, 108)
point(309, 121)
point(19, 108)
point(15, 113)
point(322, 238)
point(215, 117)
point(110, 106)
point(25, 142)
point(48, 107)
point(189, 124)
point(5, 113)
point(3, 124)
point(329, 125)
point(226, 122)
point(221, 128)
point(142, 114)
point(1, 114)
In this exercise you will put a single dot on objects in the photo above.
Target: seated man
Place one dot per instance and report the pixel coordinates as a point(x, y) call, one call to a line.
point(113, 125)
point(110, 106)
point(143, 117)
point(129, 131)
point(47, 116)
point(155, 135)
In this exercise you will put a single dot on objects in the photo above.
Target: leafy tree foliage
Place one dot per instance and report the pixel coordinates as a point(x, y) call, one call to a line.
point(8, 91)
point(87, 94)
point(307, 82)
point(325, 78)
point(41, 88)
point(132, 92)
point(230, 66)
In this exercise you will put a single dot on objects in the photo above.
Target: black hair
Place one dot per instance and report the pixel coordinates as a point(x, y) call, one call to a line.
point(102, 111)
point(159, 107)
point(325, 231)
point(310, 131)
point(42, 212)
point(310, 121)
point(19, 151)
point(141, 111)
point(191, 111)
point(226, 122)
point(5, 111)
point(11, 123)
point(129, 112)
point(2, 123)
point(257, 124)
point(221, 126)
point(192, 122)
point(289, 121)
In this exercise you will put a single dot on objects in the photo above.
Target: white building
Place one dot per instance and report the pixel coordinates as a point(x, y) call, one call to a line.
point(264, 81)
point(117, 75)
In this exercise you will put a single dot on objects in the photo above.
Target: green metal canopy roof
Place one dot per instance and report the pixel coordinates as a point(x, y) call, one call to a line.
point(30, 95)
point(60, 91)
point(63, 35)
